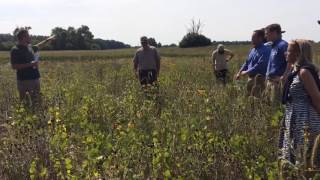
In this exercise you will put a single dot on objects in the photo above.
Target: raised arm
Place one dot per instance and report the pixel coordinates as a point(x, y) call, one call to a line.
point(44, 42)
point(311, 88)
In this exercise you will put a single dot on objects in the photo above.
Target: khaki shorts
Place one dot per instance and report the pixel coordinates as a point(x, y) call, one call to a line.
point(31, 87)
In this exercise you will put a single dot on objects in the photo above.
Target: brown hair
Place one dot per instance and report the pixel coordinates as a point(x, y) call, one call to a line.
point(21, 33)
point(144, 39)
point(261, 33)
point(304, 49)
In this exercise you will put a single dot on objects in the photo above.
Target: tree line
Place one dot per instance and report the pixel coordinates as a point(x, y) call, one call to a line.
point(82, 39)
point(66, 39)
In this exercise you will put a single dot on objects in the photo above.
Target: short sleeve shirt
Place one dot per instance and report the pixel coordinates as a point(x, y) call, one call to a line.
point(24, 55)
point(220, 60)
point(147, 58)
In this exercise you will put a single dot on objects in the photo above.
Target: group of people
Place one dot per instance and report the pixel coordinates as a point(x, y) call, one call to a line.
point(266, 62)
point(283, 70)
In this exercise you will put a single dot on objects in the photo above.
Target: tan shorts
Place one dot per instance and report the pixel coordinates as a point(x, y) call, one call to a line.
point(31, 87)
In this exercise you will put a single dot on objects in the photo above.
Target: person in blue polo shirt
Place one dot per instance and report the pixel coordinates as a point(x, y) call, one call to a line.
point(277, 66)
point(255, 66)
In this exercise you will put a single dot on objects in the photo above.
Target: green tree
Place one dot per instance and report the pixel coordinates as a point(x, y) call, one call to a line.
point(84, 37)
point(60, 39)
point(72, 42)
point(73, 39)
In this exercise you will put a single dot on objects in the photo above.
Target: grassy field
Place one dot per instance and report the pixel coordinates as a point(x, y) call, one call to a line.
point(95, 122)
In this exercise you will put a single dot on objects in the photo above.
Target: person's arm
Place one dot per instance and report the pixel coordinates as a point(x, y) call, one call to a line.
point(213, 59)
point(230, 54)
point(244, 68)
point(158, 58)
point(311, 88)
point(24, 66)
point(135, 64)
point(44, 42)
point(262, 63)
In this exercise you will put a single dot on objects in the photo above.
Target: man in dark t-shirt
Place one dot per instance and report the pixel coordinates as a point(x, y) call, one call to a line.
point(26, 66)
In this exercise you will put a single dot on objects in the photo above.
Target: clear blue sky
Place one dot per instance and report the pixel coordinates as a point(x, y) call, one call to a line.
point(166, 20)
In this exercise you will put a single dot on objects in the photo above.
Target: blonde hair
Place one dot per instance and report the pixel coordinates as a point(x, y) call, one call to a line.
point(304, 50)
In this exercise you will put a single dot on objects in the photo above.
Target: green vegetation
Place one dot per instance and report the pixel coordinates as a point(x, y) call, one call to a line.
point(66, 39)
point(95, 122)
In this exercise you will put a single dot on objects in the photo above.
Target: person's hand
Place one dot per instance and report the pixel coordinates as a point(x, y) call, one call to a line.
point(35, 64)
point(244, 73)
point(237, 77)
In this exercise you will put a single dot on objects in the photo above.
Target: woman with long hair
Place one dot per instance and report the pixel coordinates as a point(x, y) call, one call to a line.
point(302, 99)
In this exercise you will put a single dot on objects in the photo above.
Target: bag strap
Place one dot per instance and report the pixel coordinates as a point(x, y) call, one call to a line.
point(314, 74)
point(286, 95)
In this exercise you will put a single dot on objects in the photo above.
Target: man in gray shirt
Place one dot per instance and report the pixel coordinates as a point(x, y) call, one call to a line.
point(146, 63)
point(220, 57)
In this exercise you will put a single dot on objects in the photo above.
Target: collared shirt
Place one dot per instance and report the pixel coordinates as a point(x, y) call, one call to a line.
point(23, 55)
point(147, 58)
point(277, 61)
point(220, 60)
point(257, 61)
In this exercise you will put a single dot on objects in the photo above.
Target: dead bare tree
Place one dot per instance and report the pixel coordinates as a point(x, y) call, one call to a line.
point(195, 27)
